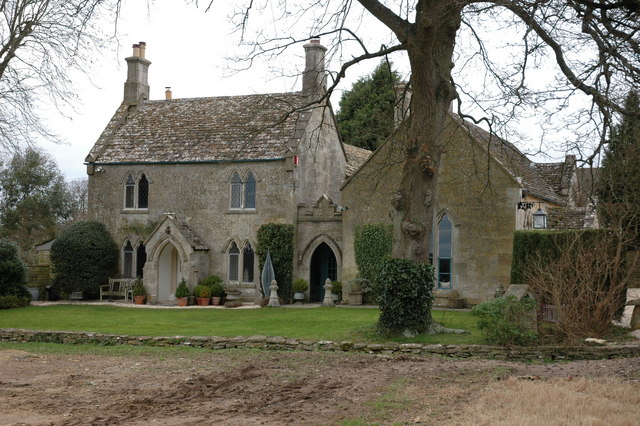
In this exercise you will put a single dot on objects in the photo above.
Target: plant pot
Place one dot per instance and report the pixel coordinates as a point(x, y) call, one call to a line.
point(203, 301)
point(139, 300)
point(335, 297)
point(182, 301)
point(298, 297)
point(215, 300)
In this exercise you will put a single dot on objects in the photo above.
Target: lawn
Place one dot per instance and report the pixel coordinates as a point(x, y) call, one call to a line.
point(335, 324)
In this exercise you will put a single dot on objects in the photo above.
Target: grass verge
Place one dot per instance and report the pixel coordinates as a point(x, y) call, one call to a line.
point(312, 324)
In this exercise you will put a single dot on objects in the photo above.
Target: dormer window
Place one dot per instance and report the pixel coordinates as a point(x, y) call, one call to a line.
point(243, 192)
point(136, 192)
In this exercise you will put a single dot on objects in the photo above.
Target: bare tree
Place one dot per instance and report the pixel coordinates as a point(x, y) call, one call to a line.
point(593, 44)
point(41, 41)
point(78, 194)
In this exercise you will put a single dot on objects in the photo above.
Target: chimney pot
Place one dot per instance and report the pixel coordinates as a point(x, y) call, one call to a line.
point(167, 93)
point(136, 50)
point(143, 48)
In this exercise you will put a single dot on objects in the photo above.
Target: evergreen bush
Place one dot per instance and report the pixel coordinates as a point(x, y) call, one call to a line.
point(12, 271)
point(278, 238)
point(12, 301)
point(182, 290)
point(84, 256)
point(300, 285)
point(507, 320)
point(407, 295)
point(202, 291)
point(372, 243)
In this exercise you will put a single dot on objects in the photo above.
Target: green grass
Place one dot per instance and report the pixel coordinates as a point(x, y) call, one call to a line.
point(335, 324)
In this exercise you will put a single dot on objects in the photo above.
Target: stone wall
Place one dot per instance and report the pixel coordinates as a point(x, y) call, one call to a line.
point(514, 353)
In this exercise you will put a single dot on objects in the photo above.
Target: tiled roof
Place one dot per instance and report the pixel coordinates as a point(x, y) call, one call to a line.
point(356, 157)
point(252, 127)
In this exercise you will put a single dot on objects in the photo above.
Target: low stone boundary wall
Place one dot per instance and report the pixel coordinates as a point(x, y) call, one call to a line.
point(514, 353)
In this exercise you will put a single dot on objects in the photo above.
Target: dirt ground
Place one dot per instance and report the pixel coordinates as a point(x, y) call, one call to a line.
point(275, 388)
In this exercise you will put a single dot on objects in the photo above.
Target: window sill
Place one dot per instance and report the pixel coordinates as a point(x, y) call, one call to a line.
point(242, 211)
point(134, 211)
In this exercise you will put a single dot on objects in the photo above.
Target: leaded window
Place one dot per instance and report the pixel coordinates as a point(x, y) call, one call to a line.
point(247, 264)
point(127, 265)
point(234, 262)
point(444, 252)
point(250, 192)
point(129, 193)
point(141, 259)
point(236, 191)
point(143, 192)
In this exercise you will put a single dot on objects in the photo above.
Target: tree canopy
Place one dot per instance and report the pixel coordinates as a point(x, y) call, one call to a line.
point(619, 177)
point(366, 115)
point(33, 198)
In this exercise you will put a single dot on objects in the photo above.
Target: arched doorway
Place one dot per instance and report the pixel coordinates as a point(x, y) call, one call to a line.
point(323, 266)
point(168, 273)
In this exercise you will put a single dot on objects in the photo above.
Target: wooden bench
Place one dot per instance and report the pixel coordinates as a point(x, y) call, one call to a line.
point(120, 287)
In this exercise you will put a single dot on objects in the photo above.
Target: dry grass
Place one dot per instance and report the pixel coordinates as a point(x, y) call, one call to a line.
point(603, 401)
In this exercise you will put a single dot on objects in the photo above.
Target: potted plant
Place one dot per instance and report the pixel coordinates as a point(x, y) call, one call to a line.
point(217, 288)
point(202, 294)
point(139, 291)
point(217, 293)
point(182, 293)
point(336, 291)
point(299, 287)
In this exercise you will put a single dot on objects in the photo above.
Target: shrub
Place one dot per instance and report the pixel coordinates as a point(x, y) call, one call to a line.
point(182, 290)
point(372, 244)
point(507, 320)
point(138, 287)
point(211, 280)
point(405, 303)
point(83, 257)
point(202, 291)
point(278, 238)
point(217, 290)
point(12, 271)
point(12, 301)
point(300, 285)
point(336, 287)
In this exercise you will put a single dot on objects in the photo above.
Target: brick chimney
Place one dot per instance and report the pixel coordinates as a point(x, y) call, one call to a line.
point(314, 79)
point(136, 88)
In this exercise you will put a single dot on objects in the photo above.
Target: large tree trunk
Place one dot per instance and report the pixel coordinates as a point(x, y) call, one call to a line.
point(430, 45)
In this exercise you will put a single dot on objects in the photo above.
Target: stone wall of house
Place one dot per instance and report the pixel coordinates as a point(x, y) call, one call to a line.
point(476, 192)
point(198, 195)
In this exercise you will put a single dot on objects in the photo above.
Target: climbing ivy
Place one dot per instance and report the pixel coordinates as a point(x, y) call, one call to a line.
point(372, 244)
point(278, 238)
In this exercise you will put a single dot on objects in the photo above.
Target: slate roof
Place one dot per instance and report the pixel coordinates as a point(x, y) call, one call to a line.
point(251, 127)
point(356, 157)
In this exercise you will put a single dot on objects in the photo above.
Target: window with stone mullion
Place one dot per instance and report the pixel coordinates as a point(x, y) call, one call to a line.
point(247, 264)
point(129, 193)
point(234, 262)
point(250, 192)
point(236, 191)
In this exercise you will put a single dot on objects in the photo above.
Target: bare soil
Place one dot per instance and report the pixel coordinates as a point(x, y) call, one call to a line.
point(275, 388)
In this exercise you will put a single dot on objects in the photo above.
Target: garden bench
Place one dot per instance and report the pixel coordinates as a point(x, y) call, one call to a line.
point(121, 287)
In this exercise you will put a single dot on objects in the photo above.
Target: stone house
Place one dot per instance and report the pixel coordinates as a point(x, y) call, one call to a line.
point(487, 189)
point(184, 184)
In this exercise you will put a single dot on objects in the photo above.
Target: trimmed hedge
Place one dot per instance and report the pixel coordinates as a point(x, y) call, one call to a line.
point(529, 246)
point(407, 296)
point(278, 238)
point(372, 244)
point(84, 256)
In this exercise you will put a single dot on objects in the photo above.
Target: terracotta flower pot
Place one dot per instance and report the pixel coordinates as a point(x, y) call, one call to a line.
point(139, 300)
point(203, 301)
point(182, 301)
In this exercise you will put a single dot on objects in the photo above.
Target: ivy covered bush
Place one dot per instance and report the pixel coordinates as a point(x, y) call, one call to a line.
point(406, 298)
point(507, 320)
point(13, 292)
point(372, 244)
point(278, 239)
point(84, 256)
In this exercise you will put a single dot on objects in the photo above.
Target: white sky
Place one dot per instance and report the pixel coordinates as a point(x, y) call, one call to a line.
point(188, 49)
